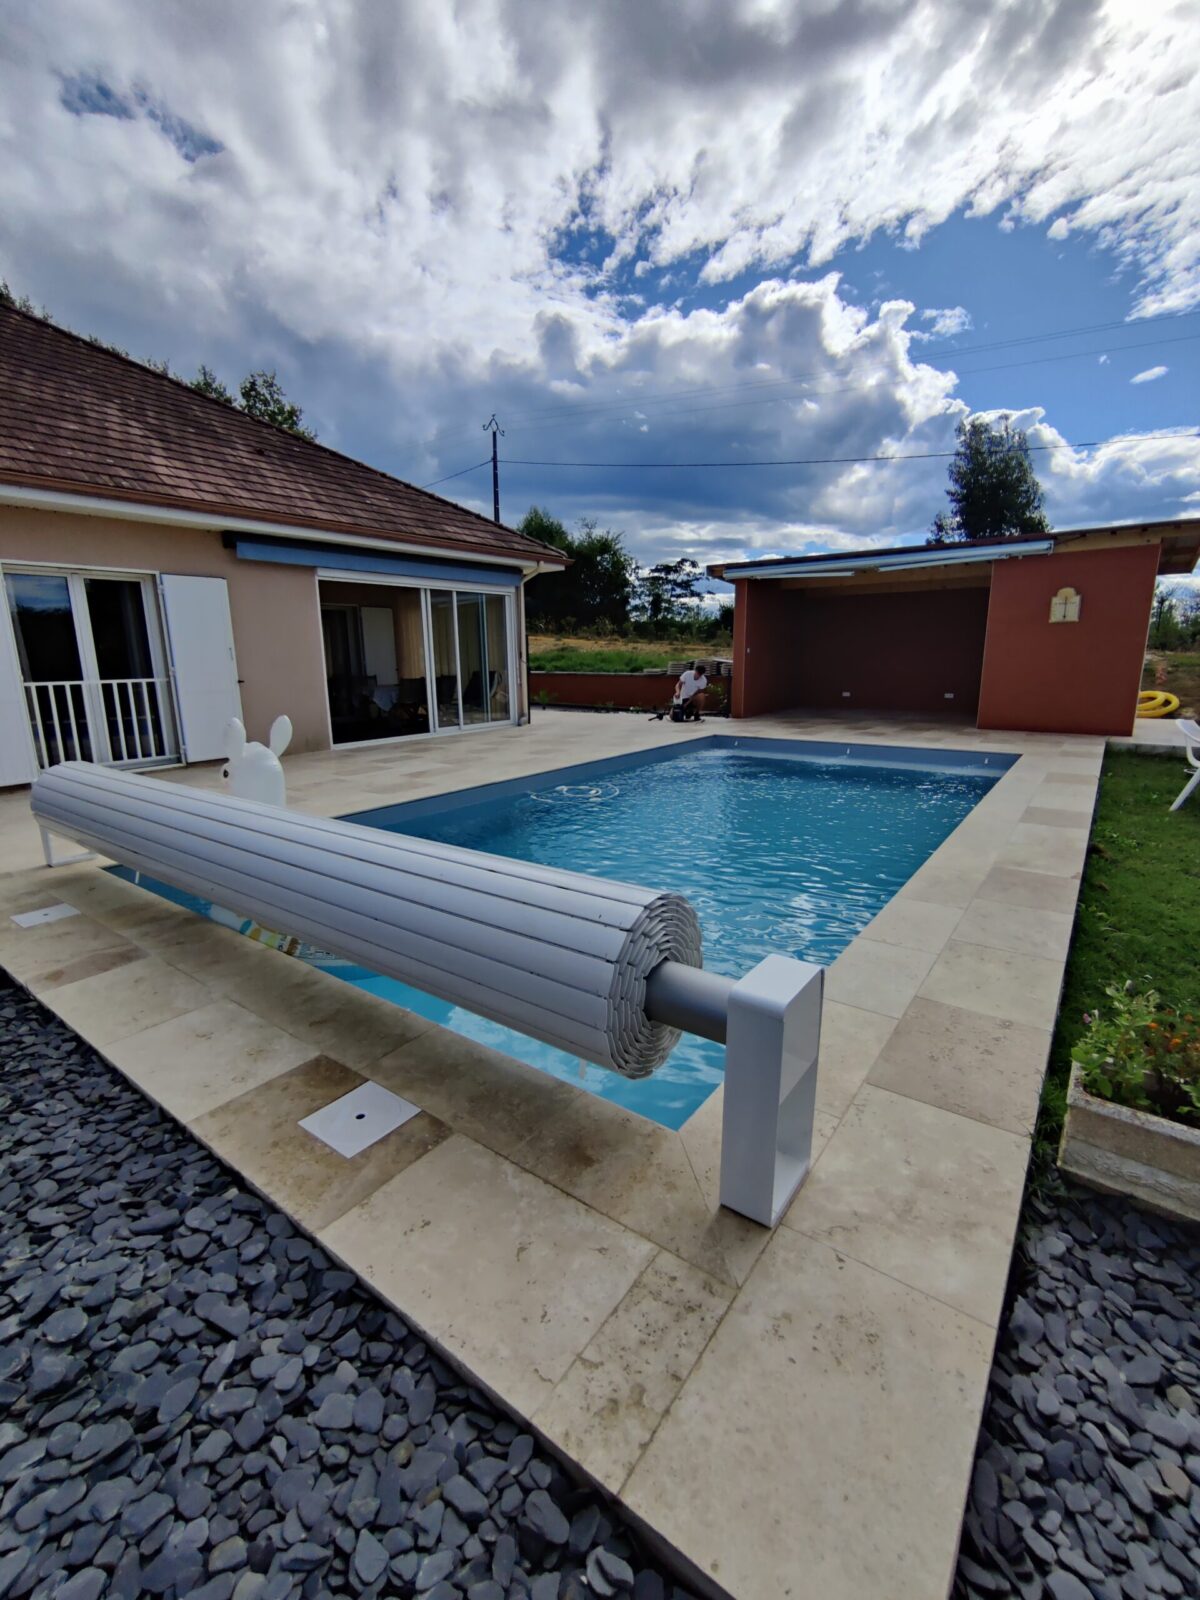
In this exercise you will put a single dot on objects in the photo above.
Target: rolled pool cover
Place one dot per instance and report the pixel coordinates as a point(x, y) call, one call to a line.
point(560, 956)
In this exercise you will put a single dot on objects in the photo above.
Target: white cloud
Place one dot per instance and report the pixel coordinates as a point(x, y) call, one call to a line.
point(419, 213)
point(1103, 361)
point(945, 322)
point(1150, 374)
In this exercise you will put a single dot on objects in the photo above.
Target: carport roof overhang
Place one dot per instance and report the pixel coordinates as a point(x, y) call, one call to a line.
point(1179, 539)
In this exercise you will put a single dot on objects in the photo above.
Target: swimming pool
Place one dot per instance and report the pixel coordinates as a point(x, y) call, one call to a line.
point(782, 847)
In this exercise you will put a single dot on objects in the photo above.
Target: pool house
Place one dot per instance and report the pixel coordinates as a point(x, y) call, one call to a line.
point(1042, 634)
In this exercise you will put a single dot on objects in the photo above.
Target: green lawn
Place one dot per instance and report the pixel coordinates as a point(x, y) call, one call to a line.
point(556, 653)
point(1139, 910)
point(570, 658)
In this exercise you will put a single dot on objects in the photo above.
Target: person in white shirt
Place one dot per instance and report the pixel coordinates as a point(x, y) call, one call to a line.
point(688, 699)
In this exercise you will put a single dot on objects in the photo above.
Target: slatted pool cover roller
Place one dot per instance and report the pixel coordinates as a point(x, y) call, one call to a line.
point(558, 955)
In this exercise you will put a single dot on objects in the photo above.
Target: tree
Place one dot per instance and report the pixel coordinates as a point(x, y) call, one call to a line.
point(19, 302)
point(262, 396)
point(664, 590)
point(1174, 617)
point(994, 492)
point(540, 525)
point(207, 382)
point(595, 590)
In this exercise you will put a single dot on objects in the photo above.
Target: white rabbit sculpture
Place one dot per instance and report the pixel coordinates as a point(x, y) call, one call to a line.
point(254, 771)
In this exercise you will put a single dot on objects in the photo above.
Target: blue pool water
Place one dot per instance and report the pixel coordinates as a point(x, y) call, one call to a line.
point(782, 848)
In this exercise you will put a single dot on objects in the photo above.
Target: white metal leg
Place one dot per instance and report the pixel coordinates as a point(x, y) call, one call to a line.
point(771, 1044)
point(1187, 789)
point(61, 861)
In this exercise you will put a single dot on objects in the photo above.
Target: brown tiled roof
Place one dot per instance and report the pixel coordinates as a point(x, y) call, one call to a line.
point(79, 418)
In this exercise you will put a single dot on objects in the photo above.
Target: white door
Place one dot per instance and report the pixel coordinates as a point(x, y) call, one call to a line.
point(200, 639)
point(16, 752)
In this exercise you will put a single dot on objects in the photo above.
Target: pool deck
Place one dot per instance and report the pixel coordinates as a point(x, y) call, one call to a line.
point(794, 1413)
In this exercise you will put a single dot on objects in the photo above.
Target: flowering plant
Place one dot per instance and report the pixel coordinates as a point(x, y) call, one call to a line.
point(1143, 1054)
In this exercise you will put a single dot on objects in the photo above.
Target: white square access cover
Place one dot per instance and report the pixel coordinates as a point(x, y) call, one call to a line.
point(358, 1119)
point(34, 919)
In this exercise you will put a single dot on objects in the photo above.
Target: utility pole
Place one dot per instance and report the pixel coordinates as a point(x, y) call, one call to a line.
point(492, 426)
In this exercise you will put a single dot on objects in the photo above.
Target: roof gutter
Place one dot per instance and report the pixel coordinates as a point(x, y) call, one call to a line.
point(90, 505)
point(902, 561)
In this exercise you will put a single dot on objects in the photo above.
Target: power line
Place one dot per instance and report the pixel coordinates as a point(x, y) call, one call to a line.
point(831, 461)
point(829, 392)
point(459, 474)
point(944, 351)
point(962, 372)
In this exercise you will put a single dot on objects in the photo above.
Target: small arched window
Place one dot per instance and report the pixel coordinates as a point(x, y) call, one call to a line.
point(1065, 606)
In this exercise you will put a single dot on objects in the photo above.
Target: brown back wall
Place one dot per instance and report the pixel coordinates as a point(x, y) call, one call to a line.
point(892, 652)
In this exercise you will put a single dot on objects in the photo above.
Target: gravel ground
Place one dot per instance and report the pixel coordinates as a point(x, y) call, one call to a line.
point(1087, 1476)
point(195, 1401)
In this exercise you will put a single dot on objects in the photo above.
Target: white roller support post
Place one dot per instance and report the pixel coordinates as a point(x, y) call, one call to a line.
point(774, 1033)
point(770, 1023)
point(606, 971)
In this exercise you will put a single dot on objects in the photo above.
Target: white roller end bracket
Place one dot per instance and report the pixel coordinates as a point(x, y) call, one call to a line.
point(773, 1034)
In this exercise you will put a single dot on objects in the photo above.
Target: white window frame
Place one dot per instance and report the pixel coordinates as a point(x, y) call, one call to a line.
point(424, 586)
point(76, 573)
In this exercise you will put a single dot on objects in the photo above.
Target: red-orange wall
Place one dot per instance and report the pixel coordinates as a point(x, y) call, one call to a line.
point(649, 691)
point(763, 637)
point(892, 652)
point(1068, 677)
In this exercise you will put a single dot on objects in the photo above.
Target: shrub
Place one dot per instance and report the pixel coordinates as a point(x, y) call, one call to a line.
point(1144, 1055)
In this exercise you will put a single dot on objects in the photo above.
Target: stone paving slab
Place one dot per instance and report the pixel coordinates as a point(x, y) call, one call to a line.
point(618, 1202)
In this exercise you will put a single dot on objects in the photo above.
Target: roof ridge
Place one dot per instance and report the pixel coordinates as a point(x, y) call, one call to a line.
point(228, 409)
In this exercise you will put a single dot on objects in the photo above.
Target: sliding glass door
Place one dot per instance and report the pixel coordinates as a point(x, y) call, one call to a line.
point(403, 659)
point(496, 654)
point(472, 656)
point(444, 632)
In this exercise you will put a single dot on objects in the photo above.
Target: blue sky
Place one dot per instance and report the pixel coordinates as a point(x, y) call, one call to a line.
point(744, 229)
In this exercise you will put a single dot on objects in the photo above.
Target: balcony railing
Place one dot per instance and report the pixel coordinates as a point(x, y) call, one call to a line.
point(117, 721)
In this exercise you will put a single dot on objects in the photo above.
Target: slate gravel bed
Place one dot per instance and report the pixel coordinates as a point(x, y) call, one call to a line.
point(1087, 1475)
point(195, 1401)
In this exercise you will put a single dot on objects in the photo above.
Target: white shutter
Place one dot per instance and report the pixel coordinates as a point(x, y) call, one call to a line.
point(203, 663)
point(17, 764)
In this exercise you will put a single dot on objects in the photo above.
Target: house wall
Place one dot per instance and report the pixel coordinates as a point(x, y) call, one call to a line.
point(1068, 677)
point(276, 620)
point(903, 651)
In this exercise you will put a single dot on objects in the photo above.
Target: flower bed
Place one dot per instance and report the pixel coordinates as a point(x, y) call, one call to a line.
point(1133, 1105)
point(1144, 1055)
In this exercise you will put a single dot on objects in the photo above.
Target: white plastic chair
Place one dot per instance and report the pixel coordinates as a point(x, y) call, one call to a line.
point(1191, 732)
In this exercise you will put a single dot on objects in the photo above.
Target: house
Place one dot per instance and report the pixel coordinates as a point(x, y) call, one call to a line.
point(1033, 634)
point(169, 562)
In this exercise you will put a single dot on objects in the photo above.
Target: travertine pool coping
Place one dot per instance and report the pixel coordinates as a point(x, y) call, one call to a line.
point(794, 1413)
